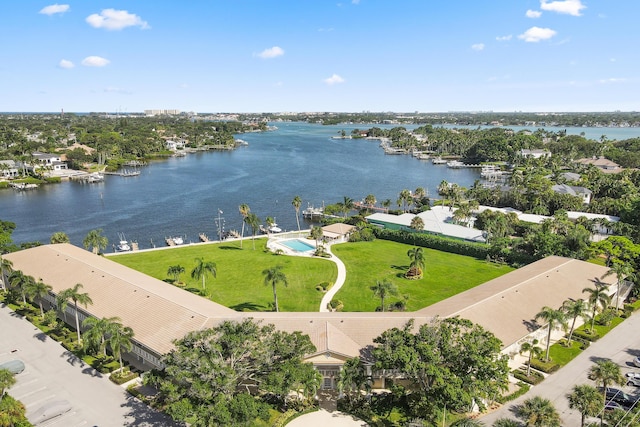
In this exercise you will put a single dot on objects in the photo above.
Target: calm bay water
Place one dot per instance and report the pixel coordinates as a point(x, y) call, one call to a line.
point(182, 196)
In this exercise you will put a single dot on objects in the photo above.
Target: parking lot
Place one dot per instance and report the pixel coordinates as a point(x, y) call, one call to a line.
point(53, 374)
point(621, 345)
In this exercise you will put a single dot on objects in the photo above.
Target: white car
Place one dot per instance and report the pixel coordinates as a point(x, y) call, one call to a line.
point(633, 378)
point(636, 362)
point(49, 410)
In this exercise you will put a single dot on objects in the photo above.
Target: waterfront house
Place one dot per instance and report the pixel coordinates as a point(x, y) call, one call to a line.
point(535, 153)
point(605, 165)
point(571, 190)
point(9, 169)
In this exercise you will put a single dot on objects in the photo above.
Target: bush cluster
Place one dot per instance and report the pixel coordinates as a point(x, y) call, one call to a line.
point(533, 378)
point(547, 367)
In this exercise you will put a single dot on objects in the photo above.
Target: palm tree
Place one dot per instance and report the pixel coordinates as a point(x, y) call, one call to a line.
point(417, 225)
point(597, 297)
point(346, 205)
point(533, 350)
point(6, 268)
point(586, 400)
point(203, 268)
point(21, 281)
point(97, 330)
point(13, 412)
point(383, 289)
point(273, 276)
point(416, 262)
point(76, 296)
point(119, 340)
point(370, 200)
point(253, 222)
point(297, 202)
point(7, 379)
point(553, 318)
point(95, 240)
point(175, 271)
point(622, 270)
point(316, 233)
point(244, 211)
point(574, 309)
point(538, 412)
point(59, 237)
point(405, 199)
point(606, 373)
point(37, 290)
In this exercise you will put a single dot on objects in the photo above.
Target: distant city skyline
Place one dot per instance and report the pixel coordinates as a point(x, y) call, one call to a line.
point(312, 56)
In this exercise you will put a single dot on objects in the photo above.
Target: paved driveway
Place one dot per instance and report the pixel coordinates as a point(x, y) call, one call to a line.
point(52, 373)
point(324, 418)
point(621, 345)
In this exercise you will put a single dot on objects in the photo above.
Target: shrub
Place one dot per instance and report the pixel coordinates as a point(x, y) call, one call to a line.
point(122, 377)
point(523, 388)
point(336, 305)
point(607, 316)
point(533, 378)
point(585, 335)
point(548, 367)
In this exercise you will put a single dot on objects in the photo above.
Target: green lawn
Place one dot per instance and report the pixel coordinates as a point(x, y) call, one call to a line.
point(240, 283)
point(445, 274)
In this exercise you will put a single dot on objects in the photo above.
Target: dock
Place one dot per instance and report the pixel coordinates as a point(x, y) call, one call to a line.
point(360, 205)
point(22, 186)
point(203, 237)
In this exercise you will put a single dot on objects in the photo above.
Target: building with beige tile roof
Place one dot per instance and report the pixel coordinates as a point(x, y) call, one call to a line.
point(160, 313)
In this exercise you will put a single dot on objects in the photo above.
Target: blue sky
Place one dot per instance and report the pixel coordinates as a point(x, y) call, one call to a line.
point(316, 55)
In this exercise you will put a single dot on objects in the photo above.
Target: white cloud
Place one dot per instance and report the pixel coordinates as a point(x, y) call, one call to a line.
point(536, 34)
point(612, 80)
point(95, 61)
point(65, 64)
point(334, 79)
point(569, 7)
point(504, 38)
point(533, 13)
point(111, 19)
point(54, 8)
point(355, 1)
point(477, 46)
point(272, 52)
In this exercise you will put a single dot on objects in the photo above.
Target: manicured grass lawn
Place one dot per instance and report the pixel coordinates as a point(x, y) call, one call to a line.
point(240, 283)
point(445, 274)
point(562, 354)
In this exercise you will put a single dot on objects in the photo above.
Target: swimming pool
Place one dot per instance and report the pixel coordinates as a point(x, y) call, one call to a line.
point(298, 245)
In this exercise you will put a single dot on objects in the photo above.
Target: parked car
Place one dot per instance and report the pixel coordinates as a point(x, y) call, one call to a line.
point(633, 378)
point(620, 397)
point(612, 406)
point(49, 410)
point(636, 362)
point(15, 366)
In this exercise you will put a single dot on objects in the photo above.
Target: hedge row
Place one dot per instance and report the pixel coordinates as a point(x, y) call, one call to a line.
point(523, 388)
point(460, 247)
point(547, 367)
point(592, 337)
point(533, 378)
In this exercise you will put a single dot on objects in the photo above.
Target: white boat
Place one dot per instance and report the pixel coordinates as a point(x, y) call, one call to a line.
point(455, 164)
point(123, 244)
point(438, 161)
point(178, 240)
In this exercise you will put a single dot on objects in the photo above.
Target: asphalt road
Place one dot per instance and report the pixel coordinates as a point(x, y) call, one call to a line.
point(620, 345)
point(52, 373)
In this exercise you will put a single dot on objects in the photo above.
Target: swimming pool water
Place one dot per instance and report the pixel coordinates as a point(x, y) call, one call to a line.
point(298, 245)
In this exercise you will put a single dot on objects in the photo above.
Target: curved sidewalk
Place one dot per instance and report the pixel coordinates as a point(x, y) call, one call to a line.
point(342, 275)
point(324, 418)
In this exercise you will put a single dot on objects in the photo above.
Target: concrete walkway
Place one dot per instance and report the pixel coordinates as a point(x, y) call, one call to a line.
point(324, 418)
point(342, 275)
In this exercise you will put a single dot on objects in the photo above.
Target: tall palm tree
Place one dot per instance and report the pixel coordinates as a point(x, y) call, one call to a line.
point(119, 340)
point(95, 240)
point(203, 268)
point(7, 379)
point(553, 318)
point(297, 202)
point(6, 268)
point(253, 222)
point(97, 330)
point(574, 309)
point(622, 270)
point(175, 271)
point(586, 400)
point(598, 297)
point(244, 211)
point(37, 290)
point(370, 200)
point(316, 233)
point(533, 350)
point(76, 296)
point(606, 373)
point(21, 282)
point(59, 237)
point(273, 276)
point(346, 205)
point(538, 412)
point(384, 289)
